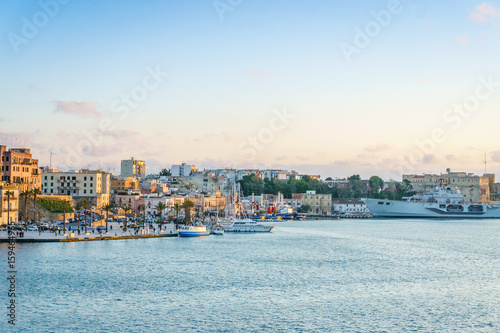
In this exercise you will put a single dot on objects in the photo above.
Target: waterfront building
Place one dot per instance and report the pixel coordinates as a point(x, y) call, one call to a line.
point(9, 212)
point(19, 167)
point(474, 188)
point(320, 203)
point(349, 206)
point(79, 184)
point(133, 168)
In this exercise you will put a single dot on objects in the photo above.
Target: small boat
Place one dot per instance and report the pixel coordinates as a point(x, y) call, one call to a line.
point(193, 231)
point(218, 230)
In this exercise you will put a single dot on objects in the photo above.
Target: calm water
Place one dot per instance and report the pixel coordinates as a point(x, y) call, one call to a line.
point(322, 276)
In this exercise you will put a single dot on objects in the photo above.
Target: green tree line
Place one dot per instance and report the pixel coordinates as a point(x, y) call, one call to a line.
point(356, 189)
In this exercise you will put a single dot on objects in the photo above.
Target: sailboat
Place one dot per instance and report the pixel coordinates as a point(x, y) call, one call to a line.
point(217, 228)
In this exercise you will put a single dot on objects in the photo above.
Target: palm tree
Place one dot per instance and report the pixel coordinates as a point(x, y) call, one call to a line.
point(64, 203)
point(107, 208)
point(177, 208)
point(8, 194)
point(188, 205)
point(126, 209)
point(26, 194)
point(160, 207)
point(35, 193)
point(142, 208)
point(85, 204)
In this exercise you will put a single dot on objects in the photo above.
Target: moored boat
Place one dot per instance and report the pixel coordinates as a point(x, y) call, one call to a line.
point(437, 203)
point(193, 231)
point(245, 225)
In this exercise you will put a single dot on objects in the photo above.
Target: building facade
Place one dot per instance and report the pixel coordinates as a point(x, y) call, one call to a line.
point(93, 185)
point(182, 170)
point(10, 204)
point(18, 167)
point(474, 188)
point(133, 168)
point(320, 203)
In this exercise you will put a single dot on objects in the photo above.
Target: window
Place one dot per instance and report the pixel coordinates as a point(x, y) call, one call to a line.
point(74, 178)
point(51, 191)
point(91, 184)
point(45, 184)
point(51, 184)
point(90, 191)
point(85, 185)
point(84, 191)
point(84, 178)
point(45, 177)
point(51, 177)
point(91, 178)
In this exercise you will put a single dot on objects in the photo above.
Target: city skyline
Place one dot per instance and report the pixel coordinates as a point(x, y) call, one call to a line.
point(325, 88)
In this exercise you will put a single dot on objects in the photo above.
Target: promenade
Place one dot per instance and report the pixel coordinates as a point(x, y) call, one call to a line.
point(115, 234)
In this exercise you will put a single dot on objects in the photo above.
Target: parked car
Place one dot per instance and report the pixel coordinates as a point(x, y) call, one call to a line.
point(32, 228)
point(101, 227)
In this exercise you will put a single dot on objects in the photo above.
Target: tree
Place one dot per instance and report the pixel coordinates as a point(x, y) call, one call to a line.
point(127, 210)
point(404, 189)
point(107, 208)
point(142, 208)
point(177, 208)
point(86, 204)
point(160, 207)
point(376, 183)
point(356, 186)
point(188, 205)
point(8, 194)
point(165, 172)
point(26, 194)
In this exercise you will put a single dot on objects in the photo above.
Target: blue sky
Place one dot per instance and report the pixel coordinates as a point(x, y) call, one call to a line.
point(228, 78)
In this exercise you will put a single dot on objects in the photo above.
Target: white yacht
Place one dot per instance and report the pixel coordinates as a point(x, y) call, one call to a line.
point(193, 231)
point(438, 203)
point(245, 225)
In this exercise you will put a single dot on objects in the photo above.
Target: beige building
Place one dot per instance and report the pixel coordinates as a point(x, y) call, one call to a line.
point(18, 167)
point(474, 188)
point(320, 203)
point(124, 184)
point(9, 212)
point(94, 185)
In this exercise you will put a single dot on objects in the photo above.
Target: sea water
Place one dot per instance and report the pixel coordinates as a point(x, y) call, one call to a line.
point(305, 276)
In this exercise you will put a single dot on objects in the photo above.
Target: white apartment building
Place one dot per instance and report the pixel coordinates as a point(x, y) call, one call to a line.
point(182, 170)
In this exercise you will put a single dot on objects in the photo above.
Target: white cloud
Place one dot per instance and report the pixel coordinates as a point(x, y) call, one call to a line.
point(483, 13)
point(463, 40)
point(82, 109)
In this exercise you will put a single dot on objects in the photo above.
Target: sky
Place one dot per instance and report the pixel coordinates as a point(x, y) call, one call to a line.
point(333, 88)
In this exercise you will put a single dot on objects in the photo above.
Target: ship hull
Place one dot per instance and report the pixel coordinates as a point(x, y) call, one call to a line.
point(405, 209)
